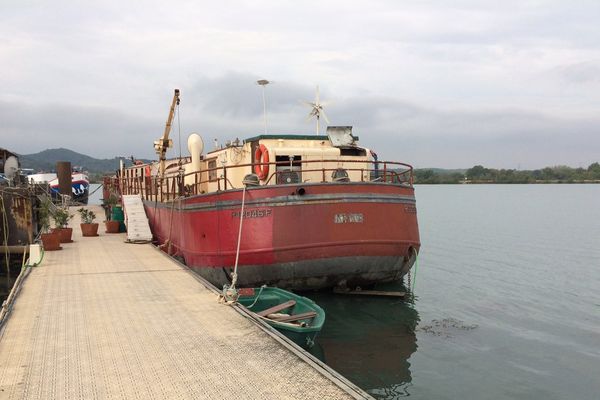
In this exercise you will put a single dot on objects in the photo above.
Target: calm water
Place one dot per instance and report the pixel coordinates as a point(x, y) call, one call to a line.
point(507, 301)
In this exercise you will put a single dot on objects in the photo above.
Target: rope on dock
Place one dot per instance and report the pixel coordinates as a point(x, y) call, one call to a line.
point(5, 236)
point(8, 303)
point(257, 297)
point(239, 241)
point(230, 293)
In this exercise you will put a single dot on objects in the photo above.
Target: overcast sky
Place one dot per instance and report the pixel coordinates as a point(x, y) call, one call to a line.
point(506, 84)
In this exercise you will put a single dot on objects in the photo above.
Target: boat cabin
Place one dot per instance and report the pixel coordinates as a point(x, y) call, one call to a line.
point(289, 159)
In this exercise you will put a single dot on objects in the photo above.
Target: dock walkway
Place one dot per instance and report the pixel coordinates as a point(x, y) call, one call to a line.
point(102, 319)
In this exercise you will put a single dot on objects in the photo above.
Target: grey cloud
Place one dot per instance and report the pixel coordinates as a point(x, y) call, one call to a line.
point(236, 94)
point(459, 138)
point(396, 129)
point(96, 131)
point(581, 73)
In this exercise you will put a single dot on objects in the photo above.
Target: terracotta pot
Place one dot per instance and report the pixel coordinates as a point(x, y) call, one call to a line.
point(112, 226)
point(51, 241)
point(89, 229)
point(65, 234)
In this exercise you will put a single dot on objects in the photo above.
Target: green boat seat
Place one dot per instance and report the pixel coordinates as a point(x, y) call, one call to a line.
point(296, 317)
point(277, 308)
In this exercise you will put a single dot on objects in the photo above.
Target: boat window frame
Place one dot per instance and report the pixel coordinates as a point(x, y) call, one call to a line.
point(211, 165)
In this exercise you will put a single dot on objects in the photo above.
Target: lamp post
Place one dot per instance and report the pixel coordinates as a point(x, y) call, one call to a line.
point(263, 83)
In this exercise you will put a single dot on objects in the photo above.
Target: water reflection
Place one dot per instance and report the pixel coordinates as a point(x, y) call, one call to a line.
point(369, 340)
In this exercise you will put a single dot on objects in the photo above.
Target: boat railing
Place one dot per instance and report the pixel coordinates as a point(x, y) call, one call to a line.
point(178, 183)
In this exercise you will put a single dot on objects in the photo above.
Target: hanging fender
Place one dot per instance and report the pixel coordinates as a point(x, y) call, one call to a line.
point(261, 156)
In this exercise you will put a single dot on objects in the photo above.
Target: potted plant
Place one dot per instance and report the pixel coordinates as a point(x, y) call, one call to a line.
point(88, 227)
point(50, 240)
point(61, 219)
point(112, 226)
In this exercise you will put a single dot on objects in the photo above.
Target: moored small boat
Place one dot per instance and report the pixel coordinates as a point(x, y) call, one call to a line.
point(299, 318)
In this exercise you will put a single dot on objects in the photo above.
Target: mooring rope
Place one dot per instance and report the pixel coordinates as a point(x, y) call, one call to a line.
point(6, 306)
point(239, 241)
point(5, 236)
point(257, 297)
point(414, 281)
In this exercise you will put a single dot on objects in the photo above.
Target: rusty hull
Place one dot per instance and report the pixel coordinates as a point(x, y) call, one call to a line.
point(16, 212)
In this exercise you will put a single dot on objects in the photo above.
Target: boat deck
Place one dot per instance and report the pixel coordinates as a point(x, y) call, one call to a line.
point(106, 319)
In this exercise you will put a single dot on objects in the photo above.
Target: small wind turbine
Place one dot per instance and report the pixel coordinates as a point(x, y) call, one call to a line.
point(317, 110)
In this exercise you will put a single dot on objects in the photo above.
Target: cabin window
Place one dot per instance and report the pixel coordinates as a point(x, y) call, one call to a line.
point(212, 173)
point(289, 169)
point(352, 151)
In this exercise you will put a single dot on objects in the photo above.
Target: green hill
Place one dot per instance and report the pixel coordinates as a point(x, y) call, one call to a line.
point(46, 161)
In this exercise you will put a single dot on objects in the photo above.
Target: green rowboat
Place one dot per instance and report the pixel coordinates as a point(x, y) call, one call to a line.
point(298, 318)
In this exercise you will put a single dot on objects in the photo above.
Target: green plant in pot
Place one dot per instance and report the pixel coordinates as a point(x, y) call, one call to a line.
point(88, 226)
point(112, 226)
point(109, 203)
point(44, 214)
point(61, 219)
point(50, 240)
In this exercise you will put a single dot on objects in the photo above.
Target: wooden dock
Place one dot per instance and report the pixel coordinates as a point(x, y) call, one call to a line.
point(103, 319)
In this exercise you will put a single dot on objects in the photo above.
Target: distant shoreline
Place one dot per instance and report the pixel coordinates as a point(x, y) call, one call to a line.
point(479, 174)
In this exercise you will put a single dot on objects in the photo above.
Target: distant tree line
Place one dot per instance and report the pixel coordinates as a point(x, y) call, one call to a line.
point(480, 174)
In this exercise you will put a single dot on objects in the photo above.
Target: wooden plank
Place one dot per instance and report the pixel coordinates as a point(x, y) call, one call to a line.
point(370, 292)
point(277, 308)
point(296, 317)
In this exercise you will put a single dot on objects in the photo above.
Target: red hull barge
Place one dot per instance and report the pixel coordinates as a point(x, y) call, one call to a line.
point(294, 236)
point(318, 211)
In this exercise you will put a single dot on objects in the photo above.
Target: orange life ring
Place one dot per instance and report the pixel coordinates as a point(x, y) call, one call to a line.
point(261, 156)
point(148, 176)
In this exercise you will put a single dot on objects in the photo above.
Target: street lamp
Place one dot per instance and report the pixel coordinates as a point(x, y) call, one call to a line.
point(263, 83)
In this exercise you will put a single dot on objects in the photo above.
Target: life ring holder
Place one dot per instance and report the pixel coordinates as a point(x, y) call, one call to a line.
point(261, 156)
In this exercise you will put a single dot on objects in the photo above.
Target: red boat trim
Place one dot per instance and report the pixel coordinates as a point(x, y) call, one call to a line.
point(306, 246)
point(286, 201)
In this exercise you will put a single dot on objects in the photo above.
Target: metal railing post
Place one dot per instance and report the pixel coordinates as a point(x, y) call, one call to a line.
point(385, 171)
